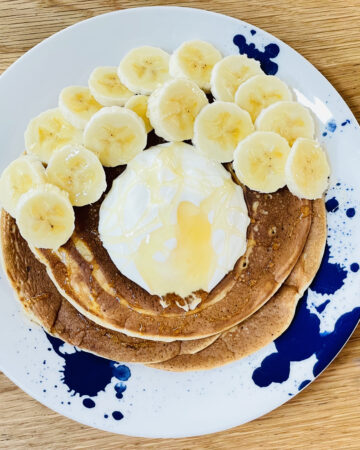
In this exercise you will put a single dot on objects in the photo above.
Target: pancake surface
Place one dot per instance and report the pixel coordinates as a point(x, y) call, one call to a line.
point(272, 319)
point(44, 305)
point(84, 273)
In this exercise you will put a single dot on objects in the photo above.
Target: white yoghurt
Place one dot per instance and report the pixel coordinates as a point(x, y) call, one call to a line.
point(174, 221)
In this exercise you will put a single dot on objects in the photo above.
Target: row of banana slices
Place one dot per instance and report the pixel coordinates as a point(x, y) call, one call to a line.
point(42, 199)
point(178, 109)
point(151, 89)
point(106, 124)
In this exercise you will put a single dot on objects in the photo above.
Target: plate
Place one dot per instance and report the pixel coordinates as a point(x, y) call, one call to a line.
point(133, 399)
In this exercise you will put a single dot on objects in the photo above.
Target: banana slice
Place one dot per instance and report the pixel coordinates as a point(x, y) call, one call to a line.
point(307, 169)
point(19, 176)
point(259, 161)
point(289, 119)
point(116, 135)
point(144, 69)
point(106, 88)
point(218, 129)
point(139, 104)
point(194, 60)
point(79, 172)
point(229, 73)
point(45, 216)
point(173, 107)
point(78, 105)
point(260, 91)
point(48, 132)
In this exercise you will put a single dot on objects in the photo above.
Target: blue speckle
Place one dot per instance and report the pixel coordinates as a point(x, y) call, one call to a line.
point(331, 125)
point(120, 388)
point(122, 373)
point(303, 384)
point(324, 133)
point(105, 416)
point(338, 184)
point(332, 205)
point(253, 32)
point(264, 57)
point(330, 276)
point(322, 307)
point(345, 123)
point(88, 403)
point(350, 212)
point(354, 267)
point(300, 341)
point(117, 415)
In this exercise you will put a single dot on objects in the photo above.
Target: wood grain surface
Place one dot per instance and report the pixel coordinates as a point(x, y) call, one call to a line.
point(327, 414)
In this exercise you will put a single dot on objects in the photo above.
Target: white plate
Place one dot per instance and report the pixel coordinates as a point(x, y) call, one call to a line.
point(156, 403)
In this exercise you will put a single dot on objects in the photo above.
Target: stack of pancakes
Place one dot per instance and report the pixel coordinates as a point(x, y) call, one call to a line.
point(76, 293)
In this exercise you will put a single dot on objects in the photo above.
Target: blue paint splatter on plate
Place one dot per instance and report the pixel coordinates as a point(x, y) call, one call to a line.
point(117, 415)
point(332, 205)
point(331, 126)
point(88, 403)
point(346, 122)
point(303, 338)
point(350, 212)
point(330, 276)
point(120, 388)
point(303, 384)
point(122, 373)
point(86, 374)
point(78, 366)
point(321, 308)
point(264, 57)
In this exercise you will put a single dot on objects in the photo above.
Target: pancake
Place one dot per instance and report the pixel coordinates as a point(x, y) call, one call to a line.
point(45, 306)
point(43, 303)
point(85, 275)
point(272, 319)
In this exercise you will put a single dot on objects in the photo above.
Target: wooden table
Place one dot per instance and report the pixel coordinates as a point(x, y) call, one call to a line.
point(327, 413)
